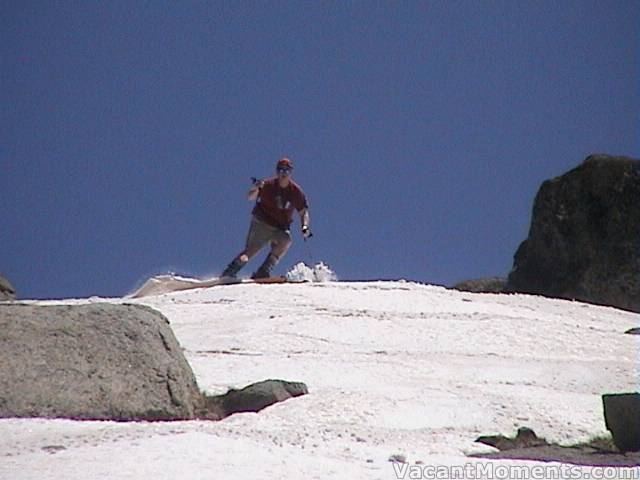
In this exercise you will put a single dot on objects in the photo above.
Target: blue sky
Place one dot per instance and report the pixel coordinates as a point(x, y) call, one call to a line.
point(420, 131)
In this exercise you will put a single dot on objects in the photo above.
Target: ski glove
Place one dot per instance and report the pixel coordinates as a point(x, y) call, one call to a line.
point(257, 182)
point(306, 232)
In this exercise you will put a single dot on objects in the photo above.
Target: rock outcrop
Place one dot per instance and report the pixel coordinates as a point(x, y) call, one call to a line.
point(109, 362)
point(7, 292)
point(525, 438)
point(98, 361)
point(526, 445)
point(482, 285)
point(255, 397)
point(584, 242)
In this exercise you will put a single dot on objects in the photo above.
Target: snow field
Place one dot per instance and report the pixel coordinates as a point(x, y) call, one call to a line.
point(392, 368)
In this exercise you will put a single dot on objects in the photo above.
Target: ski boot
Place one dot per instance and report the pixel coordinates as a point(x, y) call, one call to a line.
point(265, 269)
point(234, 267)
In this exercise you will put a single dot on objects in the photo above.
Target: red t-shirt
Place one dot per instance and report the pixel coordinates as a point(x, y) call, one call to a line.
point(275, 204)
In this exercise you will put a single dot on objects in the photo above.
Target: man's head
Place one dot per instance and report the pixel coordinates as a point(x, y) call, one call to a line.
point(283, 168)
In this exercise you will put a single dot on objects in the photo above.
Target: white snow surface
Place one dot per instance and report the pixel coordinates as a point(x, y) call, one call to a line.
point(393, 368)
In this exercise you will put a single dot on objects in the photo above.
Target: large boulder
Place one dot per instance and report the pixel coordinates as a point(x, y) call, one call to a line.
point(7, 292)
point(622, 417)
point(583, 240)
point(96, 361)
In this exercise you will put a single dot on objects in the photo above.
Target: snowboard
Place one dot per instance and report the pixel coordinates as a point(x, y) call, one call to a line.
point(172, 283)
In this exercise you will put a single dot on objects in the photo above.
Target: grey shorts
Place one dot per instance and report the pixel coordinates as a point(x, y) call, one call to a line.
point(261, 233)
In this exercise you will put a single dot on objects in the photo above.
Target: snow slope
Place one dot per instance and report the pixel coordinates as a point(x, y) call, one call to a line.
point(392, 368)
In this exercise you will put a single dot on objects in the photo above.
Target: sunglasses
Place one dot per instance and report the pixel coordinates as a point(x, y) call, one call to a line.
point(286, 171)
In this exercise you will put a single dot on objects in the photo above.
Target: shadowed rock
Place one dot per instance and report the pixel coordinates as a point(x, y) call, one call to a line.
point(255, 397)
point(622, 417)
point(7, 292)
point(527, 446)
point(574, 455)
point(583, 240)
point(482, 285)
point(524, 438)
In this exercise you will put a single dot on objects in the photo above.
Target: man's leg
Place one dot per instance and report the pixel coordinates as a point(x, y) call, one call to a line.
point(257, 237)
point(279, 246)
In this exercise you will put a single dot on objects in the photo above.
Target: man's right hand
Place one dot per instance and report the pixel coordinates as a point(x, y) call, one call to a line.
point(255, 189)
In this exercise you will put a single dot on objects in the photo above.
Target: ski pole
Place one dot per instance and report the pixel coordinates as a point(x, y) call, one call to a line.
point(308, 248)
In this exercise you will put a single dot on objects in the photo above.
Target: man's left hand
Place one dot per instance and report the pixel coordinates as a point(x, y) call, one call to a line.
point(306, 231)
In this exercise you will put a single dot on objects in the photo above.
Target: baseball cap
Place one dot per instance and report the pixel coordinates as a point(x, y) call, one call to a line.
point(285, 163)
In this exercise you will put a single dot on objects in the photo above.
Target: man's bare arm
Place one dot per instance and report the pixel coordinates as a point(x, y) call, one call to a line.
point(304, 217)
point(253, 191)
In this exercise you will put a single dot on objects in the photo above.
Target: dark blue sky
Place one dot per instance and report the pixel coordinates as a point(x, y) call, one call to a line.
point(420, 131)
